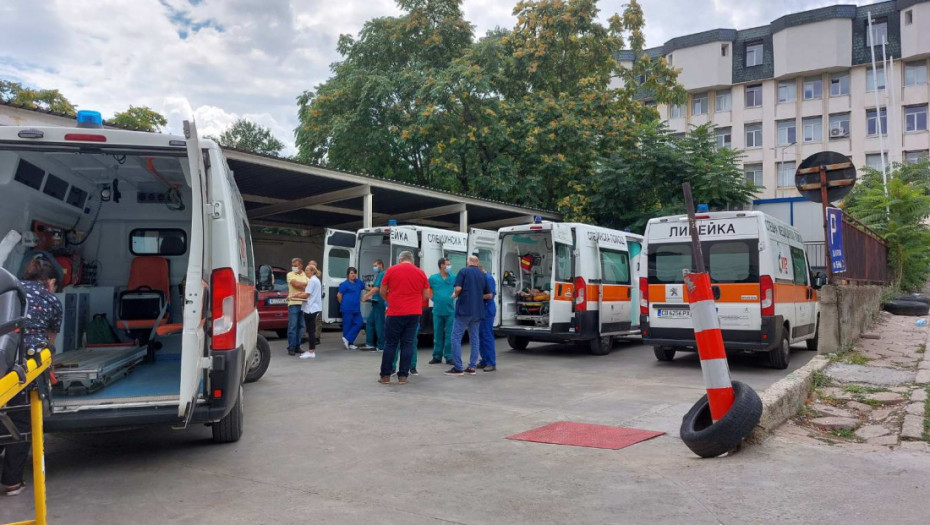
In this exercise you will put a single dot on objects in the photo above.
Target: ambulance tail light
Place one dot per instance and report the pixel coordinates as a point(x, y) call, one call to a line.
point(644, 296)
point(223, 286)
point(767, 293)
point(581, 299)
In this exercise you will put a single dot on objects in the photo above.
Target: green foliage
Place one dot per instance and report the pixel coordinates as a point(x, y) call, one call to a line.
point(142, 118)
point(248, 136)
point(47, 99)
point(899, 218)
point(527, 114)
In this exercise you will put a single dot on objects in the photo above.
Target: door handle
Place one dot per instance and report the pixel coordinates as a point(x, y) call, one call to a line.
point(716, 290)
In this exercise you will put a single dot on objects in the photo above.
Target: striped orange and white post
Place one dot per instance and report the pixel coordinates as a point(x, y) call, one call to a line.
point(709, 344)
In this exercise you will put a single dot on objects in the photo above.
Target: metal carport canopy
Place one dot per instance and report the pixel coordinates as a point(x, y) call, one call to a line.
point(284, 193)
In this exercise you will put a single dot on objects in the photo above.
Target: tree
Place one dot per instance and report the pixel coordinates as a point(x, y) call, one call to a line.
point(47, 99)
point(140, 118)
point(248, 136)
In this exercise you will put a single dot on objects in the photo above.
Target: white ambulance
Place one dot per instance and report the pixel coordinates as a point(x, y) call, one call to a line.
point(564, 282)
point(765, 294)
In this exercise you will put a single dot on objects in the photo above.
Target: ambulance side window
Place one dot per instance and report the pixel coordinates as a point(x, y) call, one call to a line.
point(732, 261)
point(800, 266)
point(338, 263)
point(563, 262)
point(615, 267)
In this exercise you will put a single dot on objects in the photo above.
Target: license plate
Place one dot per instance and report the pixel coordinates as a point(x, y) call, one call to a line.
point(276, 301)
point(674, 313)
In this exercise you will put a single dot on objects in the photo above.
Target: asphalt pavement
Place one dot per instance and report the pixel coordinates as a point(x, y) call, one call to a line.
point(325, 443)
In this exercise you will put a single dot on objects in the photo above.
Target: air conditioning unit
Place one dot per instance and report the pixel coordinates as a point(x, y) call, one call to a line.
point(838, 133)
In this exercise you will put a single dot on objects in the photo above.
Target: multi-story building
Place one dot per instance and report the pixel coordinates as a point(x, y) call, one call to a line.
point(804, 84)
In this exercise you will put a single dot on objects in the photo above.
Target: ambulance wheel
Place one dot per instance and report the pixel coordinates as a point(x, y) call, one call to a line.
point(260, 361)
point(229, 429)
point(812, 344)
point(664, 353)
point(518, 343)
point(602, 345)
point(281, 333)
point(780, 356)
point(708, 439)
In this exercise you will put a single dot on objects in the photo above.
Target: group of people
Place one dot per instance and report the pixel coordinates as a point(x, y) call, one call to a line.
point(461, 301)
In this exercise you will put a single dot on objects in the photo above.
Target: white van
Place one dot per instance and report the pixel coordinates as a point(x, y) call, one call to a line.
point(361, 249)
point(765, 294)
point(567, 282)
point(150, 232)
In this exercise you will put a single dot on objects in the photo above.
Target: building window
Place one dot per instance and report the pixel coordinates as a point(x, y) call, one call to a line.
point(813, 129)
point(787, 132)
point(915, 118)
point(839, 126)
point(874, 161)
point(753, 136)
point(677, 111)
point(839, 84)
point(879, 32)
point(785, 174)
point(671, 59)
point(913, 157)
point(754, 96)
point(651, 103)
point(909, 17)
point(872, 122)
point(699, 104)
point(724, 49)
point(915, 73)
point(787, 91)
point(753, 54)
point(870, 77)
point(753, 174)
point(813, 88)
point(724, 137)
point(723, 102)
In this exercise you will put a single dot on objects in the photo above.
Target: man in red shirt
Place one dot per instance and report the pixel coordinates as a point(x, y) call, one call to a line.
point(405, 289)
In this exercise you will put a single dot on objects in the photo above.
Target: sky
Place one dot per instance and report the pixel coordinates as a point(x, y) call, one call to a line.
point(220, 60)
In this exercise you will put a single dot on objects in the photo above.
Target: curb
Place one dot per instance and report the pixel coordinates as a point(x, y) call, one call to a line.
point(784, 398)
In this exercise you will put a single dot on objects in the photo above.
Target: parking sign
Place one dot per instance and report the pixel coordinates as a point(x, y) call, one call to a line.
point(835, 240)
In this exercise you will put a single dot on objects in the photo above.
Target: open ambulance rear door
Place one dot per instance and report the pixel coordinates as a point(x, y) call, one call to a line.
point(339, 253)
point(616, 284)
point(404, 239)
point(484, 244)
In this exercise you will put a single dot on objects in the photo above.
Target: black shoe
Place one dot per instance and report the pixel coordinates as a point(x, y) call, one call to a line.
point(470, 371)
point(291, 351)
point(454, 372)
point(490, 368)
point(435, 361)
point(481, 365)
point(413, 372)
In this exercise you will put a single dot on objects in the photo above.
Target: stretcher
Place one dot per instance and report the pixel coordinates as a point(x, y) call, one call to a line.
point(88, 370)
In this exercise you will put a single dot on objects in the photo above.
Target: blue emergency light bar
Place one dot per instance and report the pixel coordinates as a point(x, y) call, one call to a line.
point(703, 208)
point(89, 119)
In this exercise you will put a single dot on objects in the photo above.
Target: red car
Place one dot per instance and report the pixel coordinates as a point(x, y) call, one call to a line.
point(272, 302)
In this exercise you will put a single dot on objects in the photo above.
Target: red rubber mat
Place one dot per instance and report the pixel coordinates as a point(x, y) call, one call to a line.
point(585, 435)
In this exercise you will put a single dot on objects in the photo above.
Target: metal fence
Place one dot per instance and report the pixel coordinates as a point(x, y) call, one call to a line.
point(866, 254)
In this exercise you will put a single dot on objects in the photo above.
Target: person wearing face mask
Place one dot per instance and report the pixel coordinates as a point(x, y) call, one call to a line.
point(319, 318)
point(297, 282)
point(374, 325)
point(350, 304)
point(441, 286)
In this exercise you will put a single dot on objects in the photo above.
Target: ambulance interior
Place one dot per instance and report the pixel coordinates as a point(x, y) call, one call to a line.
point(116, 225)
point(526, 279)
point(371, 247)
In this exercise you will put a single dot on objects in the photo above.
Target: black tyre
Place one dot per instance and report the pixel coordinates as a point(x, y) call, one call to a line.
point(917, 298)
point(664, 353)
point(281, 333)
point(912, 308)
point(813, 344)
point(229, 429)
point(708, 439)
point(602, 345)
point(518, 343)
point(780, 356)
point(260, 361)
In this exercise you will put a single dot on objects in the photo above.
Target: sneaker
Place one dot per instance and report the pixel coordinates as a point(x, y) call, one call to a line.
point(15, 489)
point(291, 351)
point(454, 372)
point(385, 380)
point(345, 343)
point(470, 371)
point(413, 372)
point(366, 348)
point(353, 347)
point(435, 361)
point(381, 349)
point(490, 368)
point(402, 380)
point(481, 365)
point(308, 355)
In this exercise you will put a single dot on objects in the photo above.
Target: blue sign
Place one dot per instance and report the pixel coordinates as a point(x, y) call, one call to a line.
point(835, 240)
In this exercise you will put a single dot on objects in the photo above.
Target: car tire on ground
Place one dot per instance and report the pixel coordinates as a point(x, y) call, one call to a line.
point(780, 356)
point(281, 333)
point(917, 297)
point(260, 361)
point(602, 345)
point(664, 353)
point(518, 343)
point(708, 439)
point(229, 429)
point(912, 308)
point(813, 344)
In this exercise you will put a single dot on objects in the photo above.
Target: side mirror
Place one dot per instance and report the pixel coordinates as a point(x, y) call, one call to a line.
point(265, 278)
point(820, 280)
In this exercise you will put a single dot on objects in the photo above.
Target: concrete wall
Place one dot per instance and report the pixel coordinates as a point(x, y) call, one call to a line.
point(716, 69)
point(846, 312)
point(915, 39)
point(813, 47)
